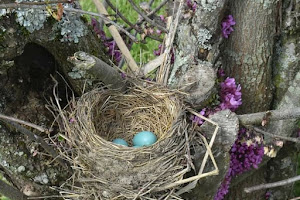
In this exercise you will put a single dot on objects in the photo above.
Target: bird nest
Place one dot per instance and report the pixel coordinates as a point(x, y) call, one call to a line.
point(104, 170)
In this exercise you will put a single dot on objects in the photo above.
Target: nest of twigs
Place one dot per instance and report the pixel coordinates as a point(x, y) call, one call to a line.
point(104, 170)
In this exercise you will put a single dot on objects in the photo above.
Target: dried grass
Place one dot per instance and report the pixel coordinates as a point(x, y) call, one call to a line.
point(103, 170)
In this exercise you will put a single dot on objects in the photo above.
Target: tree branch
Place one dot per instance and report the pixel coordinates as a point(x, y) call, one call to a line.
point(39, 140)
point(152, 22)
point(121, 16)
point(44, 2)
point(272, 185)
point(149, 14)
point(41, 129)
point(136, 28)
point(96, 67)
point(257, 118)
point(11, 192)
point(117, 37)
point(296, 140)
point(16, 5)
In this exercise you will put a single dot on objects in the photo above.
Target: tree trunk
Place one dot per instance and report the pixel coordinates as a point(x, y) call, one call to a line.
point(247, 54)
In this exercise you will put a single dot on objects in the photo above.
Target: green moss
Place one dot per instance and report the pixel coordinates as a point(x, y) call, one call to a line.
point(277, 80)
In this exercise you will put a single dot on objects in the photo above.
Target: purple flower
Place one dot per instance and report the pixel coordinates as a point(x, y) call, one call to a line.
point(268, 195)
point(162, 18)
point(197, 119)
point(227, 24)
point(191, 5)
point(112, 47)
point(243, 157)
point(158, 51)
point(123, 75)
point(230, 94)
point(158, 32)
point(221, 72)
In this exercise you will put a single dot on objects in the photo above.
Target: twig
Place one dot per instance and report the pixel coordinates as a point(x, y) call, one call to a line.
point(296, 140)
point(152, 65)
point(106, 19)
point(116, 35)
point(193, 184)
point(149, 14)
point(16, 5)
point(152, 22)
point(44, 2)
point(257, 118)
point(157, 8)
point(272, 185)
point(162, 76)
point(194, 179)
point(11, 192)
point(139, 30)
point(41, 129)
point(296, 198)
point(151, 2)
point(121, 16)
point(39, 140)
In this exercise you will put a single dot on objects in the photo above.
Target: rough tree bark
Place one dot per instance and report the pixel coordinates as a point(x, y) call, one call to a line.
point(26, 62)
point(247, 55)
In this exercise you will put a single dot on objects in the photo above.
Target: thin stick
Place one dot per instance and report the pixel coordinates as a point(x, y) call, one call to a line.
point(106, 19)
point(208, 153)
point(44, 3)
point(192, 185)
point(151, 2)
point(162, 76)
point(297, 198)
point(149, 14)
point(11, 192)
point(257, 118)
point(121, 16)
point(296, 140)
point(136, 28)
point(39, 140)
point(272, 185)
point(152, 65)
point(152, 22)
point(41, 129)
point(116, 35)
point(16, 5)
point(158, 8)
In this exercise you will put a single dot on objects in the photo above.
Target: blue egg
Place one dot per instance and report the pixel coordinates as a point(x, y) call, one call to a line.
point(120, 142)
point(144, 138)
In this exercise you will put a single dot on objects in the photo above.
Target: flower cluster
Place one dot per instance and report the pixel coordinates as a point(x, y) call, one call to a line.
point(230, 98)
point(191, 5)
point(230, 94)
point(227, 24)
point(112, 48)
point(246, 153)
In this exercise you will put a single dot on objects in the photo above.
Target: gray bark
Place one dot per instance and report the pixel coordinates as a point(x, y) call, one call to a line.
point(287, 48)
point(247, 54)
point(197, 49)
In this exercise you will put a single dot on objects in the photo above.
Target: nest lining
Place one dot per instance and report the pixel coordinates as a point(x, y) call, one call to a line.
point(109, 171)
